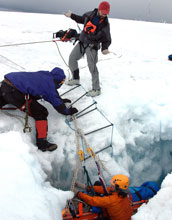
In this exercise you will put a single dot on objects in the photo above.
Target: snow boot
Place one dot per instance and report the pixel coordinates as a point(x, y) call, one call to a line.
point(41, 136)
point(93, 93)
point(75, 80)
point(44, 145)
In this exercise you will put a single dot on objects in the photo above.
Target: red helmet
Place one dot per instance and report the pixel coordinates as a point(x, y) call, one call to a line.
point(104, 7)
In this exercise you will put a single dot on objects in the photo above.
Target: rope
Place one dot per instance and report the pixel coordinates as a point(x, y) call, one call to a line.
point(94, 156)
point(70, 202)
point(85, 65)
point(104, 168)
point(62, 58)
point(60, 54)
point(79, 134)
point(26, 43)
point(78, 160)
point(118, 56)
point(48, 41)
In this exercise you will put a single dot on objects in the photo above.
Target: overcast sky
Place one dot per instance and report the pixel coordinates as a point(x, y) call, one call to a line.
point(148, 10)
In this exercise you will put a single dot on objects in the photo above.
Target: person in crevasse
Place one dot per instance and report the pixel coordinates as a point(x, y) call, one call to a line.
point(144, 192)
point(36, 85)
point(140, 193)
point(95, 34)
point(116, 205)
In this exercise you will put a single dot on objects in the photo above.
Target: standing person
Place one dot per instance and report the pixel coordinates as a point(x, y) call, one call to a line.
point(115, 206)
point(96, 34)
point(17, 86)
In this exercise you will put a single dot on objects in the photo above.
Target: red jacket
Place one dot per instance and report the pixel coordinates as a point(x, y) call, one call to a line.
point(116, 207)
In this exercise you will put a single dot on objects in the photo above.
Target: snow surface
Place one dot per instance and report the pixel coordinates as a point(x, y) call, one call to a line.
point(136, 98)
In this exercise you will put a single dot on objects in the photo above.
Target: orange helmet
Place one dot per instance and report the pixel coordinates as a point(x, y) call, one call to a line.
point(121, 180)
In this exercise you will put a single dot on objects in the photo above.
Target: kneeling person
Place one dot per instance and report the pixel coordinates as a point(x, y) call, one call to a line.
point(36, 85)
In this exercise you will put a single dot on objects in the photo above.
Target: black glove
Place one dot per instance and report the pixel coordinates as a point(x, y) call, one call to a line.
point(72, 110)
point(66, 100)
point(62, 109)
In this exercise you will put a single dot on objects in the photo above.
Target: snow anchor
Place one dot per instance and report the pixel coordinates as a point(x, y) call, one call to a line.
point(69, 34)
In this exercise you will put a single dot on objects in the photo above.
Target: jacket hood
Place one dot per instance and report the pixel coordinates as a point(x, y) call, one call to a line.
point(58, 75)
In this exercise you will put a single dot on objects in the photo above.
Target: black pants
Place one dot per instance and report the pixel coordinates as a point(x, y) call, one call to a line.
point(13, 96)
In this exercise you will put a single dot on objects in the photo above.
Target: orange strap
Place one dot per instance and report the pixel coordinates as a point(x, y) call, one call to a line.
point(90, 27)
point(80, 208)
point(64, 37)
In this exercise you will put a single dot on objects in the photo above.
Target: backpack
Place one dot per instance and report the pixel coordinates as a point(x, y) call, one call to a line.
point(66, 35)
